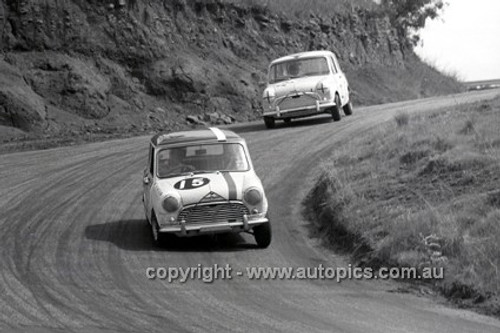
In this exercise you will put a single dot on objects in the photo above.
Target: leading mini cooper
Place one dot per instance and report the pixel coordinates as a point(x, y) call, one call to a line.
point(305, 84)
point(203, 181)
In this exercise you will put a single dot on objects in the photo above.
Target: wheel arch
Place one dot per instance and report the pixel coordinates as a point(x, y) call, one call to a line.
point(340, 97)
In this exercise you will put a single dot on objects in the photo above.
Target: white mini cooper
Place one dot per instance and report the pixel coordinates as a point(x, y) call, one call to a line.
point(305, 84)
point(203, 181)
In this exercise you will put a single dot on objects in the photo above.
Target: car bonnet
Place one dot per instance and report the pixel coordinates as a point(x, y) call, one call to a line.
point(217, 186)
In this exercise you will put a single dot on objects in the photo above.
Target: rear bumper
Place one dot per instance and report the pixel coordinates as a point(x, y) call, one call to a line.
point(184, 229)
point(303, 111)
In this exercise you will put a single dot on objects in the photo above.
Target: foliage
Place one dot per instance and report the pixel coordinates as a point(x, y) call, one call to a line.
point(408, 16)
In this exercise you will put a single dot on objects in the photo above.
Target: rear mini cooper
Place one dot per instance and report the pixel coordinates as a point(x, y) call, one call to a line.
point(305, 84)
point(203, 181)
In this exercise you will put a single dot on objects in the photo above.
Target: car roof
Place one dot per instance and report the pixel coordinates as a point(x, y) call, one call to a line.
point(212, 134)
point(303, 55)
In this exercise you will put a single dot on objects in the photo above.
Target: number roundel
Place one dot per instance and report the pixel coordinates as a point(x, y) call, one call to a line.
point(191, 183)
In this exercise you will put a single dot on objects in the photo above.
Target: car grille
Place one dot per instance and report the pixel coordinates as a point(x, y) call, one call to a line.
point(297, 102)
point(214, 213)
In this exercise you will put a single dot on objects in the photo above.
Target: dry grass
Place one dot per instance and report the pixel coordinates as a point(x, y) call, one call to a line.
point(402, 119)
point(423, 190)
point(374, 84)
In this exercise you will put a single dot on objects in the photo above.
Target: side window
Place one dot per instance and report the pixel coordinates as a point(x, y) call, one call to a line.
point(334, 65)
point(151, 159)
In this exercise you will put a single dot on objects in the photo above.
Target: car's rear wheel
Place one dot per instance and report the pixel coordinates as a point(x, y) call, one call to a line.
point(336, 109)
point(347, 109)
point(269, 122)
point(263, 235)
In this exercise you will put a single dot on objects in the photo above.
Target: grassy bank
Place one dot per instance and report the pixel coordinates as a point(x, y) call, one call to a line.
point(421, 190)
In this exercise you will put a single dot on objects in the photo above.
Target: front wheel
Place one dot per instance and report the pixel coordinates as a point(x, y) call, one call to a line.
point(336, 109)
point(347, 109)
point(156, 235)
point(263, 235)
point(269, 122)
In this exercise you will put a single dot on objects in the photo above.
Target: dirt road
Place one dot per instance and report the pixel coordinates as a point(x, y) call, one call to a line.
point(75, 246)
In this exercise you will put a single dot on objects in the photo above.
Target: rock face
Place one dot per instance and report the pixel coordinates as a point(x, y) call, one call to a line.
point(115, 62)
point(20, 106)
point(65, 81)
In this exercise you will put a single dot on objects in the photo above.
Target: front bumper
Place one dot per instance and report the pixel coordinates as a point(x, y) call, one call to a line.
point(303, 111)
point(184, 229)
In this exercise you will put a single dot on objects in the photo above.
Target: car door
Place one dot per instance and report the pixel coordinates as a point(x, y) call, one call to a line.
point(341, 80)
point(147, 181)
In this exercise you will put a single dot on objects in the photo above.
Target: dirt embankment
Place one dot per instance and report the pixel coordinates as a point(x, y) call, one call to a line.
point(420, 191)
point(77, 66)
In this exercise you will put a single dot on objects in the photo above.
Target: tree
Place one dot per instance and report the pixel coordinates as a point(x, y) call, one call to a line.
point(409, 16)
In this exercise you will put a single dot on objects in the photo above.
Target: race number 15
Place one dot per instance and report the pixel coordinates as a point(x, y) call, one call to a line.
point(191, 183)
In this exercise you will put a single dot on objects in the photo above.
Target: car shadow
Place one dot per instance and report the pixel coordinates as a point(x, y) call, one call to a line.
point(299, 122)
point(135, 235)
point(302, 122)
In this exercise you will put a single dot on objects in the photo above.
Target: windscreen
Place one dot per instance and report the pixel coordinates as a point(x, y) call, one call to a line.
point(298, 68)
point(201, 158)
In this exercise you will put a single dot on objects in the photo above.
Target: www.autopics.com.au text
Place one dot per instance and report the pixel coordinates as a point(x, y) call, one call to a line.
point(215, 272)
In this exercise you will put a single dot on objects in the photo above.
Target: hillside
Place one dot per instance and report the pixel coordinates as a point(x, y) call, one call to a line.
point(87, 66)
point(420, 191)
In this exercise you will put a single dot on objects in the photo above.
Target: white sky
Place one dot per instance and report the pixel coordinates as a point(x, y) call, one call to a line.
point(465, 39)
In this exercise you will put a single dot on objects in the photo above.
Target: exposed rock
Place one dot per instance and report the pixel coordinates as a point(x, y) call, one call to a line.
point(21, 107)
point(194, 120)
point(217, 118)
point(212, 117)
point(114, 61)
point(70, 83)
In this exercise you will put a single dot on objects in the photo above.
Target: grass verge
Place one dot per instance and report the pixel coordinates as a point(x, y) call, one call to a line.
point(421, 190)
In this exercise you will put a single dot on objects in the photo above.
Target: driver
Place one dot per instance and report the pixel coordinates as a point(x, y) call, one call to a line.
point(176, 161)
point(294, 68)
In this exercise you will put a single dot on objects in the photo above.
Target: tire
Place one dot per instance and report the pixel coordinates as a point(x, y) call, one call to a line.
point(347, 109)
point(263, 235)
point(336, 109)
point(158, 238)
point(145, 213)
point(269, 122)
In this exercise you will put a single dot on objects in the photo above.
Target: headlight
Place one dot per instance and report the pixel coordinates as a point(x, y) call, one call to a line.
point(171, 204)
point(253, 196)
